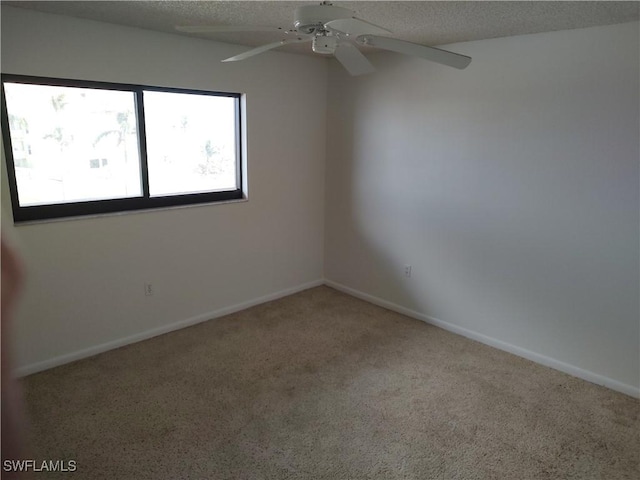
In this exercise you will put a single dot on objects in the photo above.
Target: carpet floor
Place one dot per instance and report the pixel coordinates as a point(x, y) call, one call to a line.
point(320, 385)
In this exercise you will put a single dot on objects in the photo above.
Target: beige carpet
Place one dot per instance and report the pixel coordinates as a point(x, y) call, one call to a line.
point(320, 385)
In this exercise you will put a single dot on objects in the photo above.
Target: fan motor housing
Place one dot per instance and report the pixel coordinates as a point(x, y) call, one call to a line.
point(311, 18)
point(324, 44)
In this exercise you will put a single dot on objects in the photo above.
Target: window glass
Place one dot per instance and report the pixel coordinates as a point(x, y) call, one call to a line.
point(77, 147)
point(72, 144)
point(191, 143)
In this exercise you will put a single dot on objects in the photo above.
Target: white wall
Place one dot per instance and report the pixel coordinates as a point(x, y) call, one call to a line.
point(511, 187)
point(86, 276)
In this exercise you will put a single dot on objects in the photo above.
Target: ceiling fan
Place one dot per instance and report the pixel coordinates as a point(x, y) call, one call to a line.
point(336, 31)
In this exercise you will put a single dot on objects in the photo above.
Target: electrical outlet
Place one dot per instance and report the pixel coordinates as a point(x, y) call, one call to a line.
point(407, 271)
point(148, 289)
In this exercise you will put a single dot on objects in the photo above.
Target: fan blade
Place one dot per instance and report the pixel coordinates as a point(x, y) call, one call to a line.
point(434, 54)
point(353, 60)
point(264, 48)
point(228, 28)
point(356, 27)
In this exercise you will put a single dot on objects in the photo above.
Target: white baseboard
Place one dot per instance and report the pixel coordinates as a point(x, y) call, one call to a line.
point(121, 342)
point(507, 347)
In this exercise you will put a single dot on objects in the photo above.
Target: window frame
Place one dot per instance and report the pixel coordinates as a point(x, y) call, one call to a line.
point(116, 205)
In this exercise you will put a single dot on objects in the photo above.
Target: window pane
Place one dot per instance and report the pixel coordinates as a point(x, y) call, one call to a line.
point(72, 144)
point(191, 143)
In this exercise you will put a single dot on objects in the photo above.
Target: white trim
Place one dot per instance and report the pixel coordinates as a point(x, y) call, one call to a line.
point(103, 347)
point(91, 216)
point(499, 344)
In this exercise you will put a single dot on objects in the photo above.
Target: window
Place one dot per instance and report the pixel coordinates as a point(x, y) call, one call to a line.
point(80, 148)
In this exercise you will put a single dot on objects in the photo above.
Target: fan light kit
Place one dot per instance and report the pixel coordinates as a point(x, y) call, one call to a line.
point(336, 31)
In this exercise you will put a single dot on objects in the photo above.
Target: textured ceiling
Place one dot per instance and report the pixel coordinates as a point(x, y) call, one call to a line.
point(428, 23)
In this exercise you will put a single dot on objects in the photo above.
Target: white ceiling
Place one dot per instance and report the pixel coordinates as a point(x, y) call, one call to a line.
point(429, 23)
